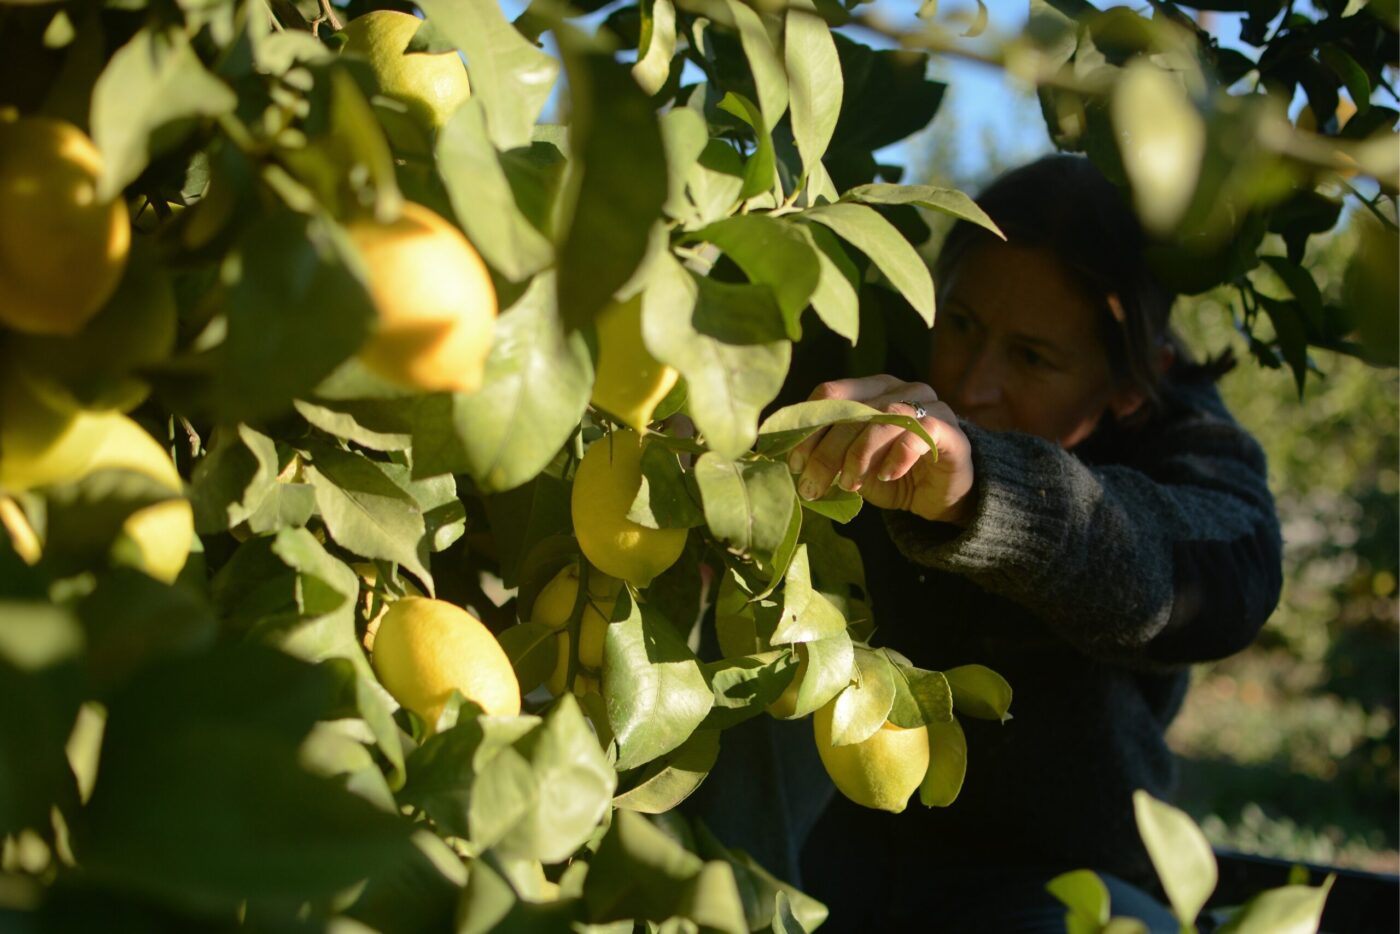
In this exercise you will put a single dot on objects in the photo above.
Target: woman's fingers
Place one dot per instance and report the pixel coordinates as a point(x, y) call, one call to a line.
point(826, 460)
point(860, 389)
point(868, 452)
point(904, 453)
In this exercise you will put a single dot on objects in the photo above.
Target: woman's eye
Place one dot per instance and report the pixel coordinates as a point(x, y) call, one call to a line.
point(959, 322)
point(1032, 358)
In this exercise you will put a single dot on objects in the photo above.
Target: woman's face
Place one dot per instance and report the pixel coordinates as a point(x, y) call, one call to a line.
point(1017, 347)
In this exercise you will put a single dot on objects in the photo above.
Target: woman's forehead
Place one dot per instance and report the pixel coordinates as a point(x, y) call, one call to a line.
point(1023, 288)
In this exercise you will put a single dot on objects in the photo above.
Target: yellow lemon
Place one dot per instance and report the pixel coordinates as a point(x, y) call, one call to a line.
point(607, 481)
point(99, 368)
point(431, 86)
point(555, 605)
point(436, 303)
point(42, 445)
point(62, 250)
point(427, 648)
point(630, 382)
point(584, 682)
point(786, 705)
point(880, 772)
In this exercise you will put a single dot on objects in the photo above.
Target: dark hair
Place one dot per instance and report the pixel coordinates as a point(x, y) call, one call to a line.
point(1064, 204)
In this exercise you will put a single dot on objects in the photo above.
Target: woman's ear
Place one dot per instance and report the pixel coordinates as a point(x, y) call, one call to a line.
point(1126, 399)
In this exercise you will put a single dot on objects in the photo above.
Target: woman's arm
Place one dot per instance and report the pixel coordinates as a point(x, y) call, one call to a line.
point(1172, 556)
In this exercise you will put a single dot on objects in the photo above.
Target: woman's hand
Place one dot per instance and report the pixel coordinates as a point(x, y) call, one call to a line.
point(890, 467)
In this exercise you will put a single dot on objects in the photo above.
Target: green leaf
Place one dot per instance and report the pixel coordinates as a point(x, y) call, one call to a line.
point(670, 779)
point(947, 201)
point(34, 636)
point(1290, 331)
point(655, 691)
point(788, 427)
point(343, 424)
point(836, 504)
point(748, 504)
point(419, 894)
point(444, 516)
point(1290, 909)
point(774, 253)
point(768, 901)
point(744, 685)
point(873, 79)
point(286, 506)
point(881, 241)
point(147, 100)
point(509, 75)
point(830, 665)
point(685, 136)
point(1180, 853)
point(620, 166)
point(233, 478)
point(638, 872)
point(470, 780)
point(130, 620)
point(980, 692)
point(1371, 289)
point(814, 83)
point(864, 706)
point(535, 390)
point(297, 308)
point(947, 764)
point(777, 566)
point(835, 299)
point(575, 787)
point(483, 200)
point(531, 648)
point(1086, 897)
point(202, 804)
point(920, 697)
point(807, 614)
point(761, 169)
point(665, 499)
point(1162, 141)
point(716, 181)
point(769, 77)
point(325, 593)
point(657, 46)
point(365, 511)
point(712, 902)
point(35, 723)
point(728, 384)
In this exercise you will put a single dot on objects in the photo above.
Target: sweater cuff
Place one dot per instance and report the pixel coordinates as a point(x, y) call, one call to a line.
point(1020, 521)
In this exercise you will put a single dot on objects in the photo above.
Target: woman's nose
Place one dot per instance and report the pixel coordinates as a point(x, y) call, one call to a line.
point(981, 383)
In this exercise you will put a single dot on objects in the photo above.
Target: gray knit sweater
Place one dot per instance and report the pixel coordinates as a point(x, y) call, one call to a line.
point(1090, 580)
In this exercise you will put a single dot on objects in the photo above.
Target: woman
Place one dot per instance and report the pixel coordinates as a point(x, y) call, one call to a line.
point(1093, 523)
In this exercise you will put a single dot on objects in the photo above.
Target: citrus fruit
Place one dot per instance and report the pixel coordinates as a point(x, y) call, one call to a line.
point(786, 705)
point(98, 368)
point(61, 249)
point(434, 298)
point(607, 481)
point(555, 605)
point(584, 682)
point(630, 382)
point(427, 648)
point(431, 85)
point(880, 772)
point(42, 445)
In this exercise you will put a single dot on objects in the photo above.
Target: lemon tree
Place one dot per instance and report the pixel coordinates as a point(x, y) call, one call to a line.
point(391, 404)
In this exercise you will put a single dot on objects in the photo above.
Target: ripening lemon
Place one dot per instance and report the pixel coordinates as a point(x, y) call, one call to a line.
point(630, 382)
point(426, 648)
point(41, 445)
point(880, 772)
point(436, 303)
point(584, 682)
point(555, 605)
point(431, 85)
point(786, 705)
point(607, 481)
point(62, 250)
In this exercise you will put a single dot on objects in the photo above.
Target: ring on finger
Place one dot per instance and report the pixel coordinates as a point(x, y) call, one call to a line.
point(919, 410)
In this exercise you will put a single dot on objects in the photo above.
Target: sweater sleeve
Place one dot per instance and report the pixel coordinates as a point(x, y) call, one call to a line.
point(1169, 555)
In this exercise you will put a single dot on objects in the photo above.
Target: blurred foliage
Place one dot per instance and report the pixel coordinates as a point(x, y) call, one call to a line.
point(1291, 747)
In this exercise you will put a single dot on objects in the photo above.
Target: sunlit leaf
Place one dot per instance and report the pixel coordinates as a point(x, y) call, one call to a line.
point(1180, 853)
